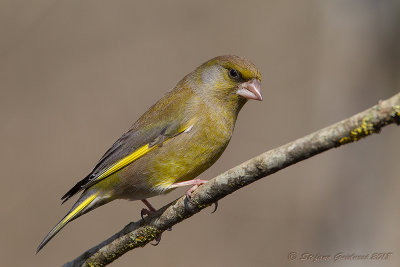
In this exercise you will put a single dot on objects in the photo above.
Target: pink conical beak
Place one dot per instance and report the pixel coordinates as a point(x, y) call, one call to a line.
point(250, 90)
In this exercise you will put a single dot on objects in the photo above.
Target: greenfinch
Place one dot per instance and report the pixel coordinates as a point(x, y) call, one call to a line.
point(178, 138)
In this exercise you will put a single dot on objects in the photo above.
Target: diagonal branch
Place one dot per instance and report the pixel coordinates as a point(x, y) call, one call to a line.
point(140, 233)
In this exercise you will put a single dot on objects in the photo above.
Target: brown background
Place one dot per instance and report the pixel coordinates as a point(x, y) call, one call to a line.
point(74, 75)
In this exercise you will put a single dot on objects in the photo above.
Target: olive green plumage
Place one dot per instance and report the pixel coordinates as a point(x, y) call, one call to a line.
point(178, 138)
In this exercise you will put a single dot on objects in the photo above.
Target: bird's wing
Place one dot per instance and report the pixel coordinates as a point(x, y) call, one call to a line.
point(129, 147)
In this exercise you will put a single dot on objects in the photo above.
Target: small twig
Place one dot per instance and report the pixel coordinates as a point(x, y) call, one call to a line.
point(142, 232)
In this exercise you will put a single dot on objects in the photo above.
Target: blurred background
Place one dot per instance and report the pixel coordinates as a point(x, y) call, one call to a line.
point(74, 75)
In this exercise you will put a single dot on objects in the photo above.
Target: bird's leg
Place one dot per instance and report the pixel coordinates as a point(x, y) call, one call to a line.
point(195, 184)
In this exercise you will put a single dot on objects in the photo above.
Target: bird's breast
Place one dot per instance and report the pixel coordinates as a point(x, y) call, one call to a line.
point(187, 155)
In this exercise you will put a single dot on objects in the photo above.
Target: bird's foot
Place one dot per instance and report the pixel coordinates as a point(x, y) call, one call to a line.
point(195, 184)
point(150, 209)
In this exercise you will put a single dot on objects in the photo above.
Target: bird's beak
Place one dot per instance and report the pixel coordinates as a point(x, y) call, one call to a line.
point(250, 90)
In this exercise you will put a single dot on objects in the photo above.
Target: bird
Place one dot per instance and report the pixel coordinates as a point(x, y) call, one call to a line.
point(174, 141)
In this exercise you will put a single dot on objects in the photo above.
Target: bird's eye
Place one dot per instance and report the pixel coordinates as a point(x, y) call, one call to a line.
point(233, 73)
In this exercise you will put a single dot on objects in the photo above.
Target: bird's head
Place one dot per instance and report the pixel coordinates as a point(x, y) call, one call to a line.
point(228, 80)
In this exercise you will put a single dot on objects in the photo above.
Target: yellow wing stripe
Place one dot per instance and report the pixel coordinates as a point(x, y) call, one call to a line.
point(134, 156)
point(126, 161)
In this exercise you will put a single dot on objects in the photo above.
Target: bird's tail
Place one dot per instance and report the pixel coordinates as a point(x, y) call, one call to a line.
point(83, 205)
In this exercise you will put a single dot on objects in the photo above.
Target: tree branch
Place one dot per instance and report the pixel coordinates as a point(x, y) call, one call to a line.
point(140, 233)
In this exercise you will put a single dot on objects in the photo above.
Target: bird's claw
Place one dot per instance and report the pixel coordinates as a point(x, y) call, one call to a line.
point(158, 239)
point(189, 198)
point(144, 212)
point(215, 207)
